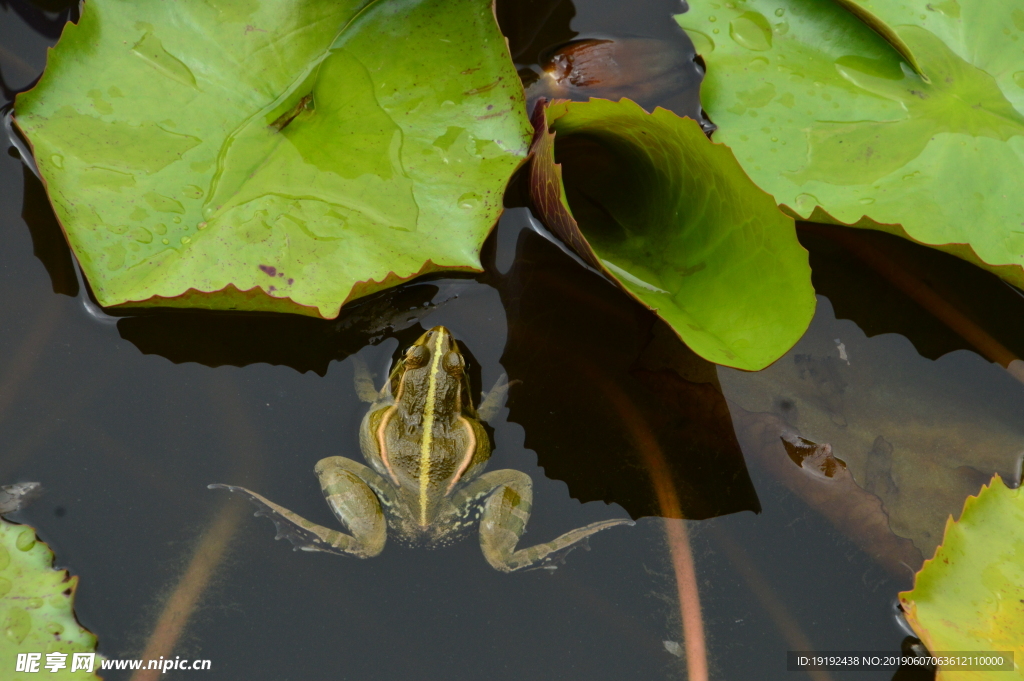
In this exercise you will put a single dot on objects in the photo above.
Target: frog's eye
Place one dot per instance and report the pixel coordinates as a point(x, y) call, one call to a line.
point(453, 363)
point(416, 356)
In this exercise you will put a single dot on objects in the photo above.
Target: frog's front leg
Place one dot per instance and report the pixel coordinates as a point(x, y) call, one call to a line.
point(348, 488)
point(508, 501)
point(493, 401)
point(363, 380)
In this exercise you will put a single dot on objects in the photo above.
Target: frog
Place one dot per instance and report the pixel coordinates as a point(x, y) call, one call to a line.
point(426, 449)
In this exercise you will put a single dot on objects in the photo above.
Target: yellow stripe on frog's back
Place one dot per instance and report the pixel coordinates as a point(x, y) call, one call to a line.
point(427, 442)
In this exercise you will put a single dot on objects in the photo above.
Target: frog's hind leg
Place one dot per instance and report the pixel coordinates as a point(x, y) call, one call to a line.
point(353, 503)
point(355, 494)
point(509, 500)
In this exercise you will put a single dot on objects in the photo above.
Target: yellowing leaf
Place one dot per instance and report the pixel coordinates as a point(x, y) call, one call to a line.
point(970, 596)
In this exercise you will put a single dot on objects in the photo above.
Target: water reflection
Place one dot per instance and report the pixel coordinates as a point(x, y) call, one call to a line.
point(649, 71)
point(46, 17)
point(599, 373)
point(125, 442)
point(606, 49)
point(916, 435)
point(48, 241)
point(302, 343)
point(861, 288)
point(422, 480)
point(535, 27)
point(675, 392)
point(22, 53)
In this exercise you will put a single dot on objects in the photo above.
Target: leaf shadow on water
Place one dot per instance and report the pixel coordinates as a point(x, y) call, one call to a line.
point(46, 17)
point(48, 242)
point(590, 359)
point(563, 322)
point(243, 339)
point(534, 27)
point(867, 295)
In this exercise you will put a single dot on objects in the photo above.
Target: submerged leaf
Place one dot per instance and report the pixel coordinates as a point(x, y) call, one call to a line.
point(284, 155)
point(36, 605)
point(899, 115)
point(648, 71)
point(918, 434)
point(674, 220)
point(970, 596)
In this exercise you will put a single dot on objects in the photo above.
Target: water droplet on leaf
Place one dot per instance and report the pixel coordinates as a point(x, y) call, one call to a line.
point(26, 540)
point(806, 202)
point(18, 625)
point(469, 200)
point(751, 30)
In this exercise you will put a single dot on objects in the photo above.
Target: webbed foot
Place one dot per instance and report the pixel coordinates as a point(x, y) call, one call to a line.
point(369, 531)
point(509, 501)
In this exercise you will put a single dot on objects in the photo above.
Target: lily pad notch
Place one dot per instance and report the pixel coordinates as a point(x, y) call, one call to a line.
point(905, 116)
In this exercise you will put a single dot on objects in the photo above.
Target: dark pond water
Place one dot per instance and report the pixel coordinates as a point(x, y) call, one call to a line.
point(126, 419)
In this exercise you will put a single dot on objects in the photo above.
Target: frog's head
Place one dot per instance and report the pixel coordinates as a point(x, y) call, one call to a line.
point(431, 377)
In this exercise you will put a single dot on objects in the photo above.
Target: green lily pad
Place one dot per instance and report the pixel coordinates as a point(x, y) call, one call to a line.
point(970, 596)
point(284, 155)
point(898, 115)
point(674, 220)
point(36, 606)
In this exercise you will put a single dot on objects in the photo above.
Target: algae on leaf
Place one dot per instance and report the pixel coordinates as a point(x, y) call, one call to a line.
point(675, 221)
point(898, 115)
point(970, 596)
point(284, 155)
point(36, 606)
